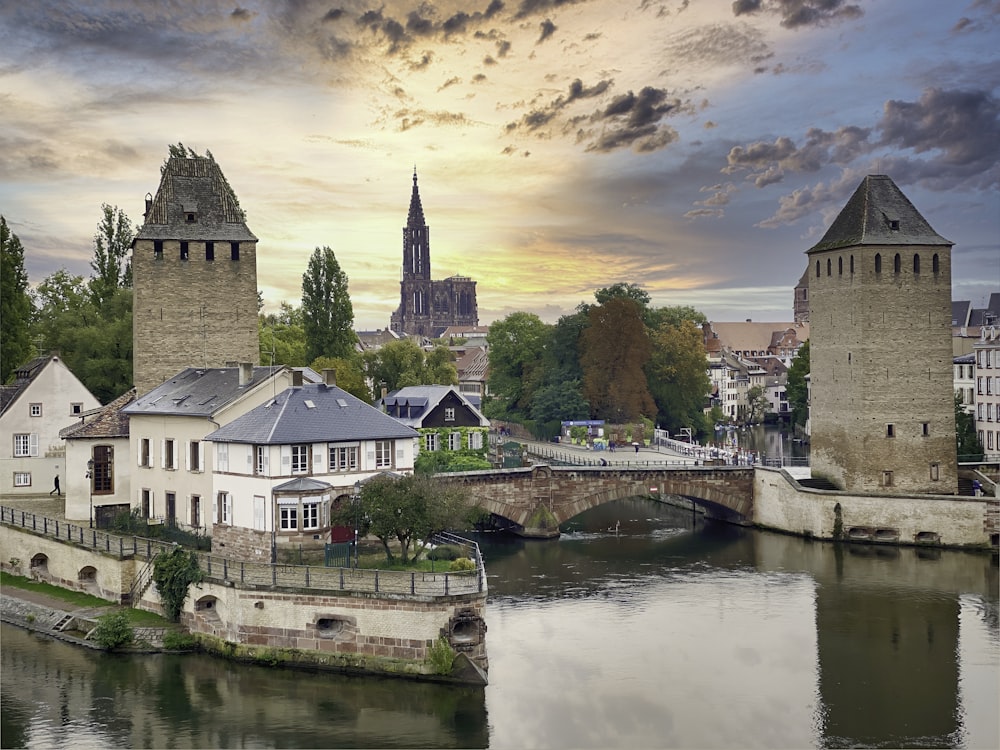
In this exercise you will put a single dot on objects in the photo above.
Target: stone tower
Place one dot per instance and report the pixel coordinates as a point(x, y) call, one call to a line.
point(882, 406)
point(427, 307)
point(194, 269)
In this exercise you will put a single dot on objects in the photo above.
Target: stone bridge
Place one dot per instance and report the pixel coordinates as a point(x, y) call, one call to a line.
point(536, 499)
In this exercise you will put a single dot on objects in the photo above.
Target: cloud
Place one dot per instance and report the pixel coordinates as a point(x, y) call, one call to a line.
point(547, 29)
point(800, 13)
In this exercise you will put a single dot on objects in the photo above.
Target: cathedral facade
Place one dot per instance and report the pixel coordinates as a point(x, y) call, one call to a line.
point(427, 307)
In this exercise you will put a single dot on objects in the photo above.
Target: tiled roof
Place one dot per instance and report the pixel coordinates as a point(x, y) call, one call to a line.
point(198, 392)
point(878, 214)
point(108, 422)
point(23, 376)
point(312, 413)
point(194, 185)
point(754, 337)
point(473, 365)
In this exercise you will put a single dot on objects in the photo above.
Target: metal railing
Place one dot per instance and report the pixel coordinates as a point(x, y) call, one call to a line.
point(224, 570)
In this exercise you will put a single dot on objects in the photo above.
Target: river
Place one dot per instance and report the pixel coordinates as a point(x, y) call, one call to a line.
point(667, 633)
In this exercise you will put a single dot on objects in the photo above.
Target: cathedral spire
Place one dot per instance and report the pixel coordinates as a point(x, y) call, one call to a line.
point(416, 216)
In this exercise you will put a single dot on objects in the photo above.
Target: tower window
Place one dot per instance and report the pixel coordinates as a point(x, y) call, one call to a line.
point(189, 218)
point(925, 429)
point(887, 479)
point(184, 251)
point(852, 264)
point(878, 262)
point(890, 430)
point(894, 225)
point(935, 264)
point(829, 265)
point(935, 471)
point(840, 266)
point(234, 250)
point(158, 249)
point(209, 251)
point(817, 269)
point(897, 263)
point(916, 264)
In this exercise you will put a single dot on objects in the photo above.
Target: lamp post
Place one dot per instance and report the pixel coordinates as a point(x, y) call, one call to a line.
point(357, 518)
point(90, 483)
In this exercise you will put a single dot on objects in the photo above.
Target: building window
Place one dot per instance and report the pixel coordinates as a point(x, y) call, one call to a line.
point(194, 455)
point(170, 516)
point(840, 266)
point(344, 458)
point(925, 429)
point(184, 250)
point(475, 440)
point(209, 251)
point(300, 459)
point(102, 478)
point(935, 471)
point(817, 269)
point(22, 478)
point(852, 264)
point(146, 499)
point(878, 262)
point(935, 263)
point(431, 441)
point(224, 508)
point(454, 441)
point(145, 459)
point(76, 408)
point(158, 249)
point(310, 515)
point(260, 460)
point(449, 414)
point(168, 455)
point(234, 250)
point(383, 454)
point(887, 479)
point(25, 445)
point(196, 510)
point(916, 264)
point(35, 410)
point(897, 263)
point(222, 457)
point(829, 265)
point(288, 517)
point(890, 430)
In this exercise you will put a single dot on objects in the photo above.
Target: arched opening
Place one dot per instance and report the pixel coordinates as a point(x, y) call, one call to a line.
point(897, 263)
point(840, 266)
point(817, 269)
point(852, 264)
point(878, 262)
point(208, 608)
point(40, 564)
point(829, 266)
point(916, 264)
point(935, 264)
point(335, 627)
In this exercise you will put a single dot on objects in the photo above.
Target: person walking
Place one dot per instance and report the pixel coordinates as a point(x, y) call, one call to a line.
point(55, 489)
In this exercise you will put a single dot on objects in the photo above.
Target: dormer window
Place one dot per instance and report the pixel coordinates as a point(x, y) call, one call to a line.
point(894, 225)
point(190, 211)
point(190, 217)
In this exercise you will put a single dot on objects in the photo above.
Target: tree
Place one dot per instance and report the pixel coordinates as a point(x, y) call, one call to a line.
point(515, 346)
point(327, 314)
point(112, 244)
point(678, 375)
point(283, 337)
point(623, 291)
point(408, 510)
point(674, 316)
point(562, 352)
point(758, 403)
point(967, 439)
point(350, 374)
point(15, 304)
point(402, 363)
point(796, 387)
point(173, 574)
point(615, 349)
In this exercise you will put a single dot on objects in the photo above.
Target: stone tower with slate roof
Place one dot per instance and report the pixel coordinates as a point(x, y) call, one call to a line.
point(882, 404)
point(428, 307)
point(194, 268)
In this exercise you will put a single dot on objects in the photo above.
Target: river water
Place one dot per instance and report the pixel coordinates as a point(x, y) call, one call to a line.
point(667, 633)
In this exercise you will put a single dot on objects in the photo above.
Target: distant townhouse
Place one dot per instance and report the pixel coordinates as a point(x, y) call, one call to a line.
point(98, 471)
point(44, 398)
point(965, 380)
point(473, 368)
point(967, 322)
point(172, 471)
point(987, 374)
point(280, 467)
point(445, 418)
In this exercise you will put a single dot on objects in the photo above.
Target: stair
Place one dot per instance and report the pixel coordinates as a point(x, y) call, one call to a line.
point(818, 484)
point(61, 625)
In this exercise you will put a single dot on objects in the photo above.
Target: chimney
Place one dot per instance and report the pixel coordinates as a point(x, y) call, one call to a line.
point(296, 377)
point(246, 372)
point(330, 376)
point(385, 391)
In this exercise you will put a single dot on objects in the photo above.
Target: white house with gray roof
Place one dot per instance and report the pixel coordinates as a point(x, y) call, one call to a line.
point(171, 470)
point(280, 466)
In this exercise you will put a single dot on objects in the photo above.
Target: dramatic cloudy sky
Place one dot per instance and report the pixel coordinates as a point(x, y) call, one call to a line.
point(694, 147)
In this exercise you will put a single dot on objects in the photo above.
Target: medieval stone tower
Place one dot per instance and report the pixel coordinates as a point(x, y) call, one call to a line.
point(427, 307)
point(882, 403)
point(194, 268)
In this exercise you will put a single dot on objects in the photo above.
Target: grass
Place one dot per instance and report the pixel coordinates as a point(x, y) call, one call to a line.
point(137, 617)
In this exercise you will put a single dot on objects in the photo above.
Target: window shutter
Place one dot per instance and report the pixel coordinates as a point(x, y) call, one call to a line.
point(173, 451)
point(249, 450)
point(201, 455)
point(138, 452)
point(267, 457)
point(286, 456)
point(187, 455)
point(33, 444)
point(317, 459)
point(215, 508)
point(163, 454)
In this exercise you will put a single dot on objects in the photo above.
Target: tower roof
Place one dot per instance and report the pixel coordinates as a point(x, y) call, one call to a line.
point(194, 202)
point(416, 215)
point(878, 214)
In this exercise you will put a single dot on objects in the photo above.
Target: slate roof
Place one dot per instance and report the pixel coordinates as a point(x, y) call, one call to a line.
point(878, 214)
point(107, 422)
point(960, 312)
point(312, 413)
point(194, 185)
point(23, 376)
point(427, 397)
point(303, 484)
point(197, 392)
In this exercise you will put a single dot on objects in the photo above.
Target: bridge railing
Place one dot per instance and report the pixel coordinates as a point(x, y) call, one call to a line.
point(222, 569)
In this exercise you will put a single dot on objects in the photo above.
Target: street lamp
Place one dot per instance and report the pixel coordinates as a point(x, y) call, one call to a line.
point(357, 519)
point(90, 482)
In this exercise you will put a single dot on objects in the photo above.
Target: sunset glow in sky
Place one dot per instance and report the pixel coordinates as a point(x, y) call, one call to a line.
point(694, 147)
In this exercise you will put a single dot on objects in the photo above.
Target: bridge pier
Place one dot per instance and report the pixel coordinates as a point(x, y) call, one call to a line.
point(541, 524)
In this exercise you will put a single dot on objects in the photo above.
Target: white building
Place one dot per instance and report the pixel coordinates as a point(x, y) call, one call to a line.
point(965, 380)
point(44, 398)
point(987, 374)
point(280, 466)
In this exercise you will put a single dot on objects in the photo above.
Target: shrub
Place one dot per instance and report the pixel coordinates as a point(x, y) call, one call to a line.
point(441, 656)
point(462, 563)
point(176, 640)
point(444, 552)
point(173, 572)
point(113, 630)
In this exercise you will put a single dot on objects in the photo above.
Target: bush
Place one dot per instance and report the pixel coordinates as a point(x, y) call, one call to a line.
point(462, 563)
point(441, 656)
point(176, 640)
point(113, 630)
point(445, 552)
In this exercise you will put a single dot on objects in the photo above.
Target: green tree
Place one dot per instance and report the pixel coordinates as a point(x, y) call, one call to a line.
point(516, 346)
point(283, 337)
point(623, 291)
point(562, 351)
point(350, 374)
point(408, 510)
point(678, 375)
point(15, 304)
point(796, 387)
point(112, 245)
point(674, 316)
point(967, 440)
point(615, 351)
point(327, 314)
point(113, 630)
point(173, 574)
point(402, 363)
point(758, 403)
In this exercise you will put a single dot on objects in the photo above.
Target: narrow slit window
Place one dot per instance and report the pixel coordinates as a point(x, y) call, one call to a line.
point(234, 250)
point(209, 251)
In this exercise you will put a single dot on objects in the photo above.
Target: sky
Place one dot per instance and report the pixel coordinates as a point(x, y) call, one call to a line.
point(696, 148)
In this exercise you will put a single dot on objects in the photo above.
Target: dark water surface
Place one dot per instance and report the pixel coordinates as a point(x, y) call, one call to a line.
point(669, 633)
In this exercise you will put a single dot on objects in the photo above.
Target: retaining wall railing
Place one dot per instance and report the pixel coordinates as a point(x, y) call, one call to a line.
point(224, 570)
